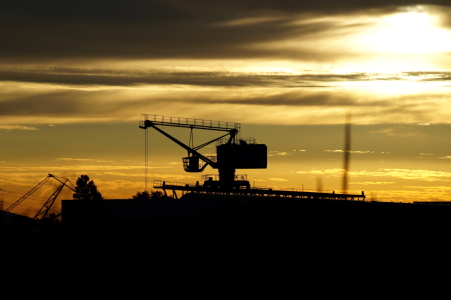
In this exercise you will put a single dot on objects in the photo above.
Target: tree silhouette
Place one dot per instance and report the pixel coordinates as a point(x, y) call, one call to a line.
point(85, 189)
point(146, 195)
point(142, 196)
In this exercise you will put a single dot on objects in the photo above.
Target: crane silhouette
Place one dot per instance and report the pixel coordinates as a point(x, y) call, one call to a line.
point(232, 152)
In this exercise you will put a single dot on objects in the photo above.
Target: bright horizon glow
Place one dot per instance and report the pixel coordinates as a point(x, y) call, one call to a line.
point(409, 33)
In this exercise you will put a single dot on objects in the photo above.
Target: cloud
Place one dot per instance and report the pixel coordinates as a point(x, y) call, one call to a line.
point(61, 30)
point(352, 151)
point(78, 61)
point(277, 179)
point(278, 153)
point(89, 29)
point(372, 182)
point(133, 77)
point(399, 132)
point(283, 153)
point(417, 194)
point(288, 6)
point(16, 127)
point(83, 159)
point(119, 94)
point(78, 168)
point(193, 76)
point(20, 102)
point(333, 172)
point(410, 174)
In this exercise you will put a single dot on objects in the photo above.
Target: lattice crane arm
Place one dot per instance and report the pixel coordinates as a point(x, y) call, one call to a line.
point(189, 123)
point(45, 209)
point(34, 189)
point(208, 143)
point(190, 150)
point(67, 183)
point(231, 128)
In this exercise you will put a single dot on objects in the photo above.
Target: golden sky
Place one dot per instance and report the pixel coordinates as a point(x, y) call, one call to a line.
point(76, 76)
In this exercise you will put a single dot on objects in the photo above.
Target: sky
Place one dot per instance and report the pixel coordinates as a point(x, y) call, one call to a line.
point(76, 77)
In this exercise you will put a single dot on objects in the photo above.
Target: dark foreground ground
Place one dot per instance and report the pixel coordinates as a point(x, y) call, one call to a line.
point(302, 243)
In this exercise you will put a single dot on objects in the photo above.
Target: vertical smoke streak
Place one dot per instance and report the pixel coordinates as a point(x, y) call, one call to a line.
point(347, 153)
point(146, 141)
point(319, 184)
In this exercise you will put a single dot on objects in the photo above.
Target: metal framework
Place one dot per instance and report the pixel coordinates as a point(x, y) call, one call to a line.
point(43, 213)
point(45, 209)
point(189, 123)
point(234, 154)
point(34, 189)
point(191, 163)
point(259, 191)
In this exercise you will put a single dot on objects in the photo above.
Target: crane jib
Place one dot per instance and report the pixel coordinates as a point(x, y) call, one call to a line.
point(189, 123)
point(232, 152)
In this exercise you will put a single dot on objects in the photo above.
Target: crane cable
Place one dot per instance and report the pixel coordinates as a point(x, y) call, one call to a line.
point(191, 139)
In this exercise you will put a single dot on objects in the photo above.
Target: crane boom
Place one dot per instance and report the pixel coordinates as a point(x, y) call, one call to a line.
point(34, 189)
point(190, 150)
point(190, 123)
point(45, 209)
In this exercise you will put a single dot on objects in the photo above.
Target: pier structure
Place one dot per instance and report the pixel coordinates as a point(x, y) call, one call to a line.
point(253, 191)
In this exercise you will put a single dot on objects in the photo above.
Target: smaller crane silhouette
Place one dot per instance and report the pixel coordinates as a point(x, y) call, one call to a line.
point(43, 212)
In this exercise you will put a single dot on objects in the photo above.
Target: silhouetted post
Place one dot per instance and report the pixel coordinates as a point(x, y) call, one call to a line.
point(347, 152)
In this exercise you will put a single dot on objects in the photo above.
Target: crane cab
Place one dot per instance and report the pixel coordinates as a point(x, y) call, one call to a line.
point(191, 164)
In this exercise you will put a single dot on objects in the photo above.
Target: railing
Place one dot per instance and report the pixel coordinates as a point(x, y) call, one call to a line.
point(161, 183)
point(250, 140)
point(189, 122)
point(215, 177)
point(265, 188)
point(261, 191)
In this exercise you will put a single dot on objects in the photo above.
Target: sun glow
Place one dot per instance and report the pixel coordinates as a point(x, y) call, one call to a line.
point(409, 33)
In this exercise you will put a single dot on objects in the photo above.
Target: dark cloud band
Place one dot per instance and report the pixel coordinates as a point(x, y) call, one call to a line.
point(139, 29)
point(111, 77)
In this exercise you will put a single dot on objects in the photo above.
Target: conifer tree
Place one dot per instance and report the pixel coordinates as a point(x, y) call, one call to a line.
point(85, 189)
